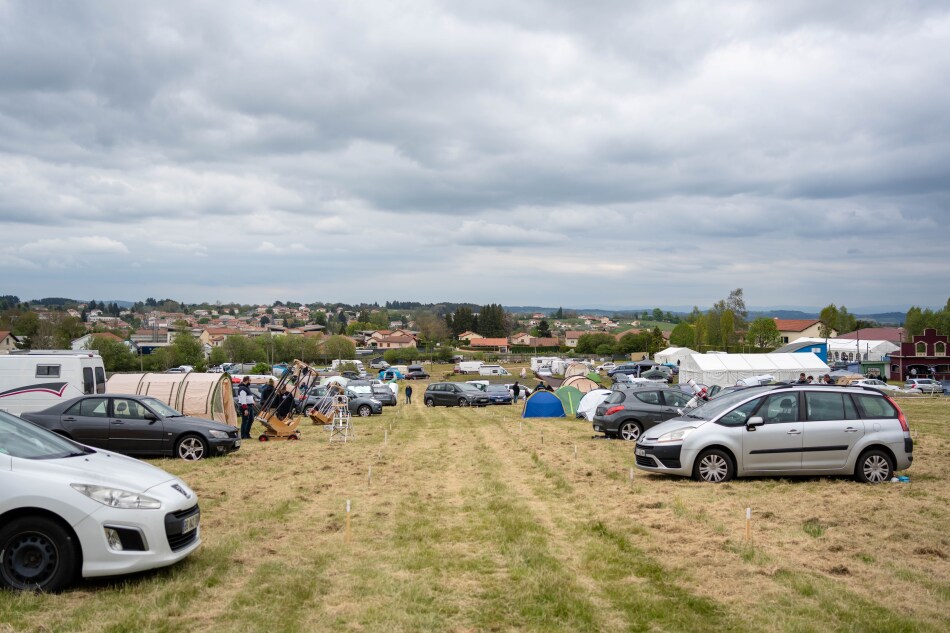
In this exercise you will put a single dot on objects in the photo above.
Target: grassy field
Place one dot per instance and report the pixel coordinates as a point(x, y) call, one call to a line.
point(474, 520)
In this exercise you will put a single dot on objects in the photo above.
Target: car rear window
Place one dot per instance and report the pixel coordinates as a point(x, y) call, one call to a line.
point(874, 407)
point(615, 397)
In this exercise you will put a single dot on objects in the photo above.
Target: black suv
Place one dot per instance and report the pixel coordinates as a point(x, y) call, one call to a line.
point(626, 413)
point(455, 394)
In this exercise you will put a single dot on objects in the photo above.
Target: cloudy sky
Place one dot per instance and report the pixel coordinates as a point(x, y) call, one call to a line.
point(603, 153)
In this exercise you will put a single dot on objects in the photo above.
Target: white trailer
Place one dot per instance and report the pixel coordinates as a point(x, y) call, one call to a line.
point(337, 363)
point(493, 370)
point(537, 362)
point(35, 380)
point(469, 367)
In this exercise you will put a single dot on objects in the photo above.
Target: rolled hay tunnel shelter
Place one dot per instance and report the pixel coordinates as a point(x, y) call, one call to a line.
point(197, 394)
point(576, 369)
point(582, 383)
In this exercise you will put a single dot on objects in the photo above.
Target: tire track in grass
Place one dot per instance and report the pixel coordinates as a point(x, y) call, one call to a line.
point(639, 593)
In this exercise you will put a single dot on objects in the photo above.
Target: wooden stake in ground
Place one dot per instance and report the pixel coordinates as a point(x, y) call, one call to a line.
point(346, 526)
point(369, 476)
point(748, 524)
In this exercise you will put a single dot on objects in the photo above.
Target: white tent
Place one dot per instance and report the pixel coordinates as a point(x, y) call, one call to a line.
point(727, 369)
point(673, 354)
point(846, 349)
point(588, 404)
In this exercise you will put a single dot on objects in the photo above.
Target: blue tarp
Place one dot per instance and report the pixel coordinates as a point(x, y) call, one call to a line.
point(543, 404)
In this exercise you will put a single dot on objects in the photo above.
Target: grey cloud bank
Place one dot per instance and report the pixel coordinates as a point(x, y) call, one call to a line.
point(531, 153)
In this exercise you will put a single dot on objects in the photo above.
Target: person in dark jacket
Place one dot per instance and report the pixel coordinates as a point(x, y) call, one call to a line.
point(246, 403)
point(516, 391)
point(266, 392)
point(285, 404)
point(408, 394)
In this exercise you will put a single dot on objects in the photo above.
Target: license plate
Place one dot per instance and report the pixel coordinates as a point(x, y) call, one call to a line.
point(190, 524)
point(641, 452)
point(237, 443)
point(597, 428)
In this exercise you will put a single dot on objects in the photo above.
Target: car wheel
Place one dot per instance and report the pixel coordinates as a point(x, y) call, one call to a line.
point(713, 466)
point(38, 555)
point(364, 411)
point(874, 467)
point(630, 431)
point(191, 448)
point(463, 402)
point(429, 402)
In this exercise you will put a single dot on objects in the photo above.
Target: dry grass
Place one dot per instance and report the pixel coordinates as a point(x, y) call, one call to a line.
point(472, 522)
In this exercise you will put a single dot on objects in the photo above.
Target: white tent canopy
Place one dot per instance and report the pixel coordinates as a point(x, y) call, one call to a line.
point(727, 369)
point(673, 354)
point(839, 347)
point(588, 404)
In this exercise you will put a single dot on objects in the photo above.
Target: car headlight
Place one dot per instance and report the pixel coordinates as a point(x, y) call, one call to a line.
point(676, 436)
point(118, 498)
point(218, 434)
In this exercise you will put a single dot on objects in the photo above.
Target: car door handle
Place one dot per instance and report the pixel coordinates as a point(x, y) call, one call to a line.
point(795, 432)
point(69, 419)
point(118, 422)
point(850, 429)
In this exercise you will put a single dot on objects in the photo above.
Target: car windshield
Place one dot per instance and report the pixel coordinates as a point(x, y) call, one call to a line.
point(496, 388)
point(464, 386)
point(721, 404)
point(161, 408)
point(19, 438)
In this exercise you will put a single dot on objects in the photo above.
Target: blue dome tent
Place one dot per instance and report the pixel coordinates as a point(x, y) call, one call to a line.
point(543, 404)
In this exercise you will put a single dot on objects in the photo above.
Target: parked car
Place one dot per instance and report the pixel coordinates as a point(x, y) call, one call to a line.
point(498, 394)
point(783, 430)
point(924, 385)
point(606, 366)
point(416, 372)
point(379, 364)
point(136, 425)
point(68, 510)
point(451, 394)
point(631, 369)
point(626, 413)
point(875, 384)
point(361, 405)
point(385, 395)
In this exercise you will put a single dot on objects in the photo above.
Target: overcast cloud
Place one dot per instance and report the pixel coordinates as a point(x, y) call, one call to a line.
point(607, 153)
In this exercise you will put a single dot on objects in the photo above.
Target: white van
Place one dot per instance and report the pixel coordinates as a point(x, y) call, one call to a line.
point(37, 379)
point(335, 365)
point(493, 370)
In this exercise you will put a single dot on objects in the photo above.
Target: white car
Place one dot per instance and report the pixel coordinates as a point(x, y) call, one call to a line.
point(67, 510)
point(923, 385)
point(874, 383)
point(606, 367)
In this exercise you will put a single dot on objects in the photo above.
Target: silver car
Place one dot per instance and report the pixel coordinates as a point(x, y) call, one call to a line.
point(783, 430)
point(924, 385)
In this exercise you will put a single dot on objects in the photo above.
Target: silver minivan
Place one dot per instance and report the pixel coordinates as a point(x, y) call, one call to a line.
point(783, 430)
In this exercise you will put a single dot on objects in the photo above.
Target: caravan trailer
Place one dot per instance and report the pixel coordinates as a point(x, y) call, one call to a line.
point(35, 380)
point(493, 370)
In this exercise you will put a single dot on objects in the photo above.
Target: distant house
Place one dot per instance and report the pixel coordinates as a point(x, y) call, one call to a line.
point(469, 336)
point(215, 336)
point(521, 338)
point(894, 335)
point(494, 344)
point(923, 357)
point(83, 342)
point(7, 342)
point(396, 341)
point(571, 337)
point(792, 329)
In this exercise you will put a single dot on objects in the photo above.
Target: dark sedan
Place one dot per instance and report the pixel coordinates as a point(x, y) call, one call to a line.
point(498, 394)
point(361, 405)
point(136, 425)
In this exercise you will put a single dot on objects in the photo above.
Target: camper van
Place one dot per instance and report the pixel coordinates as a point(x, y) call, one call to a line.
point(469, 367)
point(493, 370)
point(35, 380)
point(337, 363)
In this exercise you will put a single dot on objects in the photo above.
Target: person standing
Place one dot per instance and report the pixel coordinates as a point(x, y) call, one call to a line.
point(516, 391)
point(266, 392)
point(246, 402)
point(408, 394)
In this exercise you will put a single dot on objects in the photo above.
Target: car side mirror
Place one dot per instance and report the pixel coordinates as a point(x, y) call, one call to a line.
point(754, 422)
point(151, 417)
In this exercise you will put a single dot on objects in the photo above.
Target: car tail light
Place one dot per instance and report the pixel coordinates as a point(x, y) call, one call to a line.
point(613, 410)
point(900, 415)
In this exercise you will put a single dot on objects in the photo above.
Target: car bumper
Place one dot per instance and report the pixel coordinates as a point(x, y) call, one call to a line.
point(223, 446)
point(665, 458)
point(151, 539)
